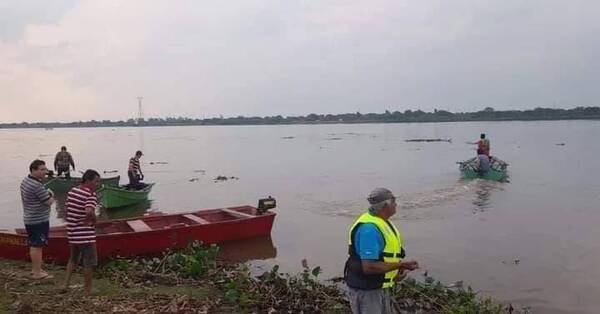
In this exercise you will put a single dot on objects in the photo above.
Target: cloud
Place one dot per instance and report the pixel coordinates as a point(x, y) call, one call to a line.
point(266, 57)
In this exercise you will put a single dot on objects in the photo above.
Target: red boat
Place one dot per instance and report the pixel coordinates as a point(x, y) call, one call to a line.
point(154, 233)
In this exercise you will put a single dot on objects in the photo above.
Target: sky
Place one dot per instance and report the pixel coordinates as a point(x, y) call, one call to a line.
point(70, 60)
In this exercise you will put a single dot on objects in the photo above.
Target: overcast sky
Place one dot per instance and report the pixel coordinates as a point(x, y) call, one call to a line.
point(65, 60)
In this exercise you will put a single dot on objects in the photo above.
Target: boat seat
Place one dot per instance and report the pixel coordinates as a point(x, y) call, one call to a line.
point(138, 225)
point(237, 214)
point(197, 219)
point(177, 225)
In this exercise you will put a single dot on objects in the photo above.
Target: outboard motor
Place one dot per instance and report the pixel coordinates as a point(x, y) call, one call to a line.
point(265, 204)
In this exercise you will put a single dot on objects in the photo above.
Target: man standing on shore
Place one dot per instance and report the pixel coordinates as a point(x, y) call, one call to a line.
point(36, 215)
point(375, 250)
point(81, 231)
point(63, 162)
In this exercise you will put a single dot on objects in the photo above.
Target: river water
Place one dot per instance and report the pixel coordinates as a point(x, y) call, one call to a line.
point(532, 241)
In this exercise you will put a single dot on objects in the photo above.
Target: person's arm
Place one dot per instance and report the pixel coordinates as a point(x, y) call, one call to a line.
point(377, 267)
point(90, 210)
point(72, 162)
point(49, 202)
point(56, 162)
point(44, 195)
point(370, 244)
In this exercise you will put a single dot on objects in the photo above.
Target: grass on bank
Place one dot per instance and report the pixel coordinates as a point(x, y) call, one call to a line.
point(193, 281)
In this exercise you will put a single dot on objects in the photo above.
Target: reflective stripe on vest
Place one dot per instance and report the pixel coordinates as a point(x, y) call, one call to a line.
point(392, 251)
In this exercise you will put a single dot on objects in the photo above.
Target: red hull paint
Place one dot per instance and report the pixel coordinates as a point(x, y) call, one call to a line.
point(167, 233)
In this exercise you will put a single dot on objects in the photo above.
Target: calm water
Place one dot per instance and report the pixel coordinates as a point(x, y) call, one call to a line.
point(545, 218)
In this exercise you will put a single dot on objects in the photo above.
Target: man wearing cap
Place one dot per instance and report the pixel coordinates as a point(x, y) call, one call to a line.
point(134, 171)
point(375, 251)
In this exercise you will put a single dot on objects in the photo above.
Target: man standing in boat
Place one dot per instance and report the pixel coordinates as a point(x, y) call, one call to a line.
point(36, 215)
point(134, 171)
point(81, 231)
point(63, 162)
point(375, 257)
point(483, 146)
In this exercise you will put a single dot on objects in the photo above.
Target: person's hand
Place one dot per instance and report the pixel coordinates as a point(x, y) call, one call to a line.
point(409, 265)
point(51, 193)
point(141, 176)
point(400, 276)
point(90, 219)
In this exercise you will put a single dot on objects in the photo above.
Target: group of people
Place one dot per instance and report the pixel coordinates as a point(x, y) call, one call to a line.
point(63, 162)
point(80, 208)
point(375, 247)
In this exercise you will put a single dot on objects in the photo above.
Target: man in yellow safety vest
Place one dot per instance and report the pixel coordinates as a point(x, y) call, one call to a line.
point(375, 256)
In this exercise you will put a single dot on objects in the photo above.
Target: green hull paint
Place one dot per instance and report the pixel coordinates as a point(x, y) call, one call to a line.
point(493, 175)
point(61, 185)
point(498, 170)
point(112, 197)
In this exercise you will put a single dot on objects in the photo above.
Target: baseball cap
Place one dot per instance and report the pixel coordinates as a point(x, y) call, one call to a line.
point(379, 195)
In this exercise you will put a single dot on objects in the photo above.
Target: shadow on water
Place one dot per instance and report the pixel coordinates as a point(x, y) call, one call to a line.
point(483, 191)
point(260, 248)
point(125, 212)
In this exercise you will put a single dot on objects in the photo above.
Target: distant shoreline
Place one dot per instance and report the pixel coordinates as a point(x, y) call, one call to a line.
point(408, 116)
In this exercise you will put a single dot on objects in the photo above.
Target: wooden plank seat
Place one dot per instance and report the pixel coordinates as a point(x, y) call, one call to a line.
point(138, 225)
point(237, 214)
point(197, 219)
point(177, 225)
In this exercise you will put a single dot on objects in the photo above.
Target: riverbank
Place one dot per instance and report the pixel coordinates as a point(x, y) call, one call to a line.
point(194, 281)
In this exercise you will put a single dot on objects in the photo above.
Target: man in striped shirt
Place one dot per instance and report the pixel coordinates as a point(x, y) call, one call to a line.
point(134, 172)
point(81, 231)
point(36, 214)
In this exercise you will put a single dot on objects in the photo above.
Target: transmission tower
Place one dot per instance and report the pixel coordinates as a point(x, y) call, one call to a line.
point(140, 112)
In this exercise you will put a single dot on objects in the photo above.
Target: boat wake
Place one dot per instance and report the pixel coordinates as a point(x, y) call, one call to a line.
point(420, 205)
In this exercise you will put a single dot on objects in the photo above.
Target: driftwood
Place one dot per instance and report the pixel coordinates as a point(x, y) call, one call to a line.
point(449, 140)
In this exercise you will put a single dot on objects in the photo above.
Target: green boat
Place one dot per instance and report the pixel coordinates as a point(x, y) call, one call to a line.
point(120, 196)
point(470, 169)
point(62, 185)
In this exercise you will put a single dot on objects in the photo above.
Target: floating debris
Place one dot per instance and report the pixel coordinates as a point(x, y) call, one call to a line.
point(288, 137)
point(224, 178)
point(194, 179)
point(458, 284)
point(159, 163)
point(334, 138)
point(449, 140)
point(560, 144)
point(200, 171)
point(110, 171)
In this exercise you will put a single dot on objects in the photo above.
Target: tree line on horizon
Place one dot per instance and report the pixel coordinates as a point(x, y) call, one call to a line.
point(487, 114)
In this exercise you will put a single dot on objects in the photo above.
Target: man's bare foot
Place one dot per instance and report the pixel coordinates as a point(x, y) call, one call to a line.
point(42, 275)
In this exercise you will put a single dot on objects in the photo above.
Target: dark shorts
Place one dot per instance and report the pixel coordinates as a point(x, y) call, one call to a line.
point(37, 234)
point(84, 253)
point(65, 170)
